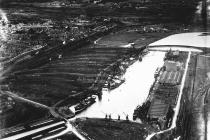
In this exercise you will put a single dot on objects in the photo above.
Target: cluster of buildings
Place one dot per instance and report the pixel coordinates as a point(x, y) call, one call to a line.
point(57, 33)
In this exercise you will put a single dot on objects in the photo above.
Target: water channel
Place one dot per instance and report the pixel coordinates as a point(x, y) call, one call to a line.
point(133, 92)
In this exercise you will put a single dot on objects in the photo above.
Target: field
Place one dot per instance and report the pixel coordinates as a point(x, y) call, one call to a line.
point(140, 35)
point(62, 77)
point(113, 130)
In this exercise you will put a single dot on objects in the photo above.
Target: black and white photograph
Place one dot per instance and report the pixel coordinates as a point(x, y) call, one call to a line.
point(104, 69)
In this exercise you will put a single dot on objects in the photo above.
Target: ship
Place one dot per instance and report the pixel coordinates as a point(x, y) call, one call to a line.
point(84, 104)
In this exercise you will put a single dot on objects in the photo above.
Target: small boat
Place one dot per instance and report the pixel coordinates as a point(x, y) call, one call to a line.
point(116, 82)
point(157, 72)
point(140, 58)
point(84, 104)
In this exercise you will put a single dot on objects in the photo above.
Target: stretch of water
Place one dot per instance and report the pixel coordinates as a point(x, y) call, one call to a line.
point(133, 92)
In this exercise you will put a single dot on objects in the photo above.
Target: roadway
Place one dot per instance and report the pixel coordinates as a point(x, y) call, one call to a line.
point(15, 96)
point(49, 131)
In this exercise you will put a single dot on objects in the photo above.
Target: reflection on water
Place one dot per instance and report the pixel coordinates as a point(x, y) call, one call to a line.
point(124, 99)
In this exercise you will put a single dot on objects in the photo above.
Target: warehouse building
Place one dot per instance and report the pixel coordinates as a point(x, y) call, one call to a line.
point(172, 66)
point(170, 78)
